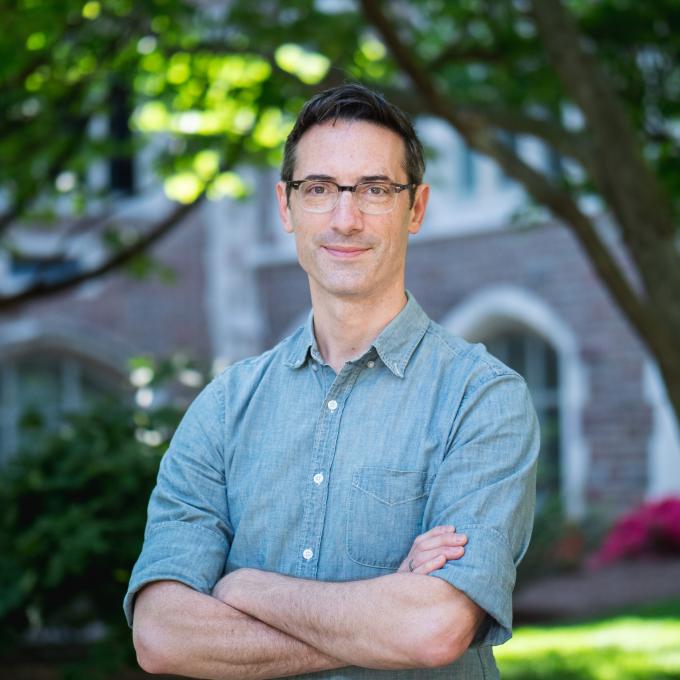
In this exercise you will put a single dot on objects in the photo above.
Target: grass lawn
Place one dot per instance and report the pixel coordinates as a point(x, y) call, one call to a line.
point(639, 644)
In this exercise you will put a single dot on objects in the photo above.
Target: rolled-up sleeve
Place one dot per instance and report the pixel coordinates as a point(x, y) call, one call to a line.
point(188, 532)
point(486, 488)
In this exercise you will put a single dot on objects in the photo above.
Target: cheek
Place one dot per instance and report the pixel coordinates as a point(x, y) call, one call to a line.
point(305, 248)
point(303, 257)
point(398, 239)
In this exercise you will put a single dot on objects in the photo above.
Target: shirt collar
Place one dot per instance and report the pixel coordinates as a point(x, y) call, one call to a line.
point(302, 344)
point(395, 344)
point(401, 336)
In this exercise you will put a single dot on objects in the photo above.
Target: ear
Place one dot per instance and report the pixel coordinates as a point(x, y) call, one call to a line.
point(417, 212)
point(284, 212)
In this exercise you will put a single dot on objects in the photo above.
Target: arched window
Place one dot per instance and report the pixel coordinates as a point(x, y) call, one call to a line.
point(46, 384)
point(533, 358)
point(549, 358)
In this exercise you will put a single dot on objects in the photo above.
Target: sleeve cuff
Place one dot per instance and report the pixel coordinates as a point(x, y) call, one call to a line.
point(178, 551)
point(486, 574)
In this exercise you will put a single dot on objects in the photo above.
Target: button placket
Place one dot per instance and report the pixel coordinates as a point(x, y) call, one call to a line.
point(325, 443)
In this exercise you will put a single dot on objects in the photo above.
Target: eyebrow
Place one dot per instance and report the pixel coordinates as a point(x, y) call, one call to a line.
point(363, 178)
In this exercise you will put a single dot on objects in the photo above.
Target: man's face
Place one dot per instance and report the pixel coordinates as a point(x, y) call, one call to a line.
point(346, 252)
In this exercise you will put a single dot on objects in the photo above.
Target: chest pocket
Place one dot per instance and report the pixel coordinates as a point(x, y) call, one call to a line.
point(385, 514)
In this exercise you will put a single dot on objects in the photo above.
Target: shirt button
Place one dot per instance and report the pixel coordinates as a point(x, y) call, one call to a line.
point(332, 405)
point(307, 553)
point(315, 367)
point(318, 478)
point(370, 364)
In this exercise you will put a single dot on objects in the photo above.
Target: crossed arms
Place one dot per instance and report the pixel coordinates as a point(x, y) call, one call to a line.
point(262, 624)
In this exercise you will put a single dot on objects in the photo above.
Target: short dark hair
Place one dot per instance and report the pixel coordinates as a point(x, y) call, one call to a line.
point(352, 101)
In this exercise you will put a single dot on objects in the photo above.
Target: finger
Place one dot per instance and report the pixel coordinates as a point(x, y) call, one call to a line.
point(440, 540)
point(448, 552)
point(431, 565)
point(408, 565)
point(439, 530)
point(436, 531)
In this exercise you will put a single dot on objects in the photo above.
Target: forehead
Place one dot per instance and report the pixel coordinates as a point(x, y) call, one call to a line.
point(348, 150)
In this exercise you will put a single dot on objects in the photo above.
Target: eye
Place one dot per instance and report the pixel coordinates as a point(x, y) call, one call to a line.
point(316, 188)
point(375, 190)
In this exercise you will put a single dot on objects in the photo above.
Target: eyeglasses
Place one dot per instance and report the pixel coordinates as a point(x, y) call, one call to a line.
point(372, 198)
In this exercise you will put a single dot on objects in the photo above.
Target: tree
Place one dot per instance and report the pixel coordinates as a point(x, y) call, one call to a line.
point(596, 83)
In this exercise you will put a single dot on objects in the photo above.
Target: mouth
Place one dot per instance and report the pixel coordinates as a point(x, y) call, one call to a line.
point(344, 252)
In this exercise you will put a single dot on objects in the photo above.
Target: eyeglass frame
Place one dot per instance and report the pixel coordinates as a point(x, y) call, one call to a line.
point(352, 188)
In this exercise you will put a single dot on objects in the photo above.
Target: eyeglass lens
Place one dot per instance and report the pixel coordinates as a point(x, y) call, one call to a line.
point(371, 197)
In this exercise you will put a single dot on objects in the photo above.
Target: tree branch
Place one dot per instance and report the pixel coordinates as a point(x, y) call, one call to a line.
point(624, 180)
point(567, 144)
point(619, 170)
point(477, 134)
point(119, 258)
point(618, 150)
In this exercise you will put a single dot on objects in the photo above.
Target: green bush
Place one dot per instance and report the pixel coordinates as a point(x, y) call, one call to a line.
point(71, 528)
point(557, 543)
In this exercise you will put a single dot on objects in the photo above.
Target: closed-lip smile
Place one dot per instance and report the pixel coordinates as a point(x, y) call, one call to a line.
point(344, 251)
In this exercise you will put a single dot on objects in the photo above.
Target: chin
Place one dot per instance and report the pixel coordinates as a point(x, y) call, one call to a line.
point(346, 288)
point(346, 291)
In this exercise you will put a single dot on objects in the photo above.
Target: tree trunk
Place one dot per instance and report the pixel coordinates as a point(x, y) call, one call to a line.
point(615, 164)
point(629, 187)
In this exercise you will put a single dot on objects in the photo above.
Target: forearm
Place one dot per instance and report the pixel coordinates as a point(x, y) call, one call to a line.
point(390, 622)
point(180, 631)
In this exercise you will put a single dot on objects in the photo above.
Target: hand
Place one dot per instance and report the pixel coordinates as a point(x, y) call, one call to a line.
point(431, 550)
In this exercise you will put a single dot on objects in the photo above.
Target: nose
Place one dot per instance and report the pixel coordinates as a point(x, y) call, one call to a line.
point(346, 216)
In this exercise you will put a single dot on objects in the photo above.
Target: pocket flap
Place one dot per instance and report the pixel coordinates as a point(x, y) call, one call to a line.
point(392, 487)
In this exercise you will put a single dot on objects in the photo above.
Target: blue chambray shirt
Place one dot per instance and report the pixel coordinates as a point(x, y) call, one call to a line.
point(282, 465)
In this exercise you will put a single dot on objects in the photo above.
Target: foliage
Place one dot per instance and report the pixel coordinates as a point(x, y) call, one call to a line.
point(74, 510)
point(183, 83)
point(653, 529)
point(557, 543)
point(634, 646)
point(207, 86)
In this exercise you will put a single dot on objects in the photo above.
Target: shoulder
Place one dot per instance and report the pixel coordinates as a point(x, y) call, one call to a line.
point(467, 375)
point(463, 360)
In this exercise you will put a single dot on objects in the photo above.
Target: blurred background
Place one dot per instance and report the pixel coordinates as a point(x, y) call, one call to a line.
point(141, 253)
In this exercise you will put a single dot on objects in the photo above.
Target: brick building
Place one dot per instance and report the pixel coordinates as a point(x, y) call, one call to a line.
point(479, 267)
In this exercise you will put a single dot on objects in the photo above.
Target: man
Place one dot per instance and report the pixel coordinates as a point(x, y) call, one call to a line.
point(303, 520)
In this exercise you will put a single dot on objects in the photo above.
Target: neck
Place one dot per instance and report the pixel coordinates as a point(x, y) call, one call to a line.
point(345, 327)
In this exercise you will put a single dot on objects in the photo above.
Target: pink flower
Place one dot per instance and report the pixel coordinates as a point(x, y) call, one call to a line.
point(651, 529)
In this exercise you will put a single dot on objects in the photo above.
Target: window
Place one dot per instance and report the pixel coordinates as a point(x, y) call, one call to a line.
point(46, 385)
point(533, 358)
point(43, 269)
point(121, 163)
